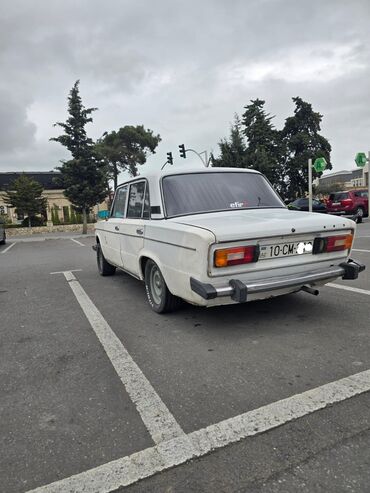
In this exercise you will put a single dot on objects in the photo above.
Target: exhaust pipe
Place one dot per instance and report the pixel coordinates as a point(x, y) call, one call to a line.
point(310, 290)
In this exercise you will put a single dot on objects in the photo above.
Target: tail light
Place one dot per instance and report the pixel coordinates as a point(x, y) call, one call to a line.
point(332, 244)
point(347, 203)
point(236, 256)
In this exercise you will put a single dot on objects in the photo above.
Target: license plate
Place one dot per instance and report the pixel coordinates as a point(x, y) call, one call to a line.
point(335, 204)
point(286, 249)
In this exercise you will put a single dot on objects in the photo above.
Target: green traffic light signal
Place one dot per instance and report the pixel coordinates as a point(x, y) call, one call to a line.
point(360, 159)
point(319, 164)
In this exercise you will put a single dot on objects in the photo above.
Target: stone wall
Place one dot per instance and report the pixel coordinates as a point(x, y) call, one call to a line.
point(48, 229)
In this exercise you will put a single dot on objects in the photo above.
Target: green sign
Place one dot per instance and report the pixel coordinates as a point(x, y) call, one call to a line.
point(319, 164)
point(360, 159)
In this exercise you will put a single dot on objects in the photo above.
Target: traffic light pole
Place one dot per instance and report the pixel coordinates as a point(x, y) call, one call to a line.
point(204, 161)
point(310, 185)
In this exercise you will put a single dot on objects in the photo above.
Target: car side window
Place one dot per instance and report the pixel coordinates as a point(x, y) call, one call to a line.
point(136, 200)
point(119, 205)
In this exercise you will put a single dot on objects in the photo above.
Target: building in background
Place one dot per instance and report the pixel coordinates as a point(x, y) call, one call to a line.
point(59, 209)
point(346, 180)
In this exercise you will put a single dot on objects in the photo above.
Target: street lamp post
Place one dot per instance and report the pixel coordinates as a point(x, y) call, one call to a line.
point(310, 185)
point(319, 165)
point(361, 161)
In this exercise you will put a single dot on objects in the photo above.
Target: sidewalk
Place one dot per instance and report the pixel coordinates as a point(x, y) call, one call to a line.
point(48, 236)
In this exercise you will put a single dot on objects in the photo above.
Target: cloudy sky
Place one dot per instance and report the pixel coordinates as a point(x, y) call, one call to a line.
point(181, 68)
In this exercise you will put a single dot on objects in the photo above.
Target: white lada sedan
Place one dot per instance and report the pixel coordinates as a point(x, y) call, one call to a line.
point(215, 236)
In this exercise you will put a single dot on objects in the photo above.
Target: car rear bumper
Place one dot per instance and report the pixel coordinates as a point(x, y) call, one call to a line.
point(238, 291)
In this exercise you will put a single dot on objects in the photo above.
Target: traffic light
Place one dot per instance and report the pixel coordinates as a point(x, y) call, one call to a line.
point(182, 151)
point(169, 158)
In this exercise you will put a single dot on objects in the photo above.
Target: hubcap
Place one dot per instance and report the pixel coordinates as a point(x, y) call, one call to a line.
point(360, 212)
point(156, 285)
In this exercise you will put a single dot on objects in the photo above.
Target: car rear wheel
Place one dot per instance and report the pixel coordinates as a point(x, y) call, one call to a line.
point(159, 297)
point(104, 267)
point(3, 241)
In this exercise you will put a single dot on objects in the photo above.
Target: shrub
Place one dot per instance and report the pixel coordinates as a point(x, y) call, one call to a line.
point(35, 221)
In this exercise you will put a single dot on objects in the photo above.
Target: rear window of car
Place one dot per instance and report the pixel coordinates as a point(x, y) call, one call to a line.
point(363, 193)
point(336, 197)
point(210, 192)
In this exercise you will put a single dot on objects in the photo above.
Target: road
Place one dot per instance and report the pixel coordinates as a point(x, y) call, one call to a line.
point(97, 391)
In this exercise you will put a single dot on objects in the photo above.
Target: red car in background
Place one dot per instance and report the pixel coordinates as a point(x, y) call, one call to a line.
point(349, 203)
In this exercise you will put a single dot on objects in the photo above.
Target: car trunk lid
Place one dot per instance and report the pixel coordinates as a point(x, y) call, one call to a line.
point(229, 226)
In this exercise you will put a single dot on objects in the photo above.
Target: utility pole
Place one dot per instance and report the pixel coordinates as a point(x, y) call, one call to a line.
point(310, 185)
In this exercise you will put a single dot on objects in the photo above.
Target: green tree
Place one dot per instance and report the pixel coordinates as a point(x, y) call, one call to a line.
point(301, 140)
point(263, 141)
point(125, 149)
point(83, 177)
point(233, 149)
point(26, 197)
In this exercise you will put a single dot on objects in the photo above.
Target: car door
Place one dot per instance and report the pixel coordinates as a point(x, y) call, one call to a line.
point(113, 227)
point(133, 229)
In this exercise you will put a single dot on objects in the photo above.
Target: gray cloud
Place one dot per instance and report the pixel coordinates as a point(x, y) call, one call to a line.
point(16, 131)
point(182, 69)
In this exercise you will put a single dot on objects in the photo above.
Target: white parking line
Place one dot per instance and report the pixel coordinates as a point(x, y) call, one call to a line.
point(360, 250)
point(128, 470)
point(157, 418)
point(63, 271)
point(8, 248)
point(348, 288)
point(78, 242)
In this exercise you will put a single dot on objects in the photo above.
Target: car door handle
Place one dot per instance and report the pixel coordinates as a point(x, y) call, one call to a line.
point(140, 231)
point(116, 228)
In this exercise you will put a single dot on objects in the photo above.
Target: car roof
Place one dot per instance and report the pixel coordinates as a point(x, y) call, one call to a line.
point(157, 174)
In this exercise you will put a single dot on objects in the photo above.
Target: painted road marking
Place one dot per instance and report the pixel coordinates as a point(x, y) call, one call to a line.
point(360, 250)
point(8, 248)
point(65, 271)
point(348, 288)
point(130, 469)
point(76, 241)
point(160, 423)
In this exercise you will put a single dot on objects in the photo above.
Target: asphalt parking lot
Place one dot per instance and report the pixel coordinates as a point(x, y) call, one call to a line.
point(97, 391)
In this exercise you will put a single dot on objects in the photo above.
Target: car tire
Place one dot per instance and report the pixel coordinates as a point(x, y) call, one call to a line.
point(3, 241)
point(359, 214)
point(104, 267)
point(159, 297)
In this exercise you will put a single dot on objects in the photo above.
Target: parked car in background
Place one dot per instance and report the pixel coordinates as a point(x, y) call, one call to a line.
point(215, 236)
point(349, 203)
point(302, 205)
point(2, 232)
